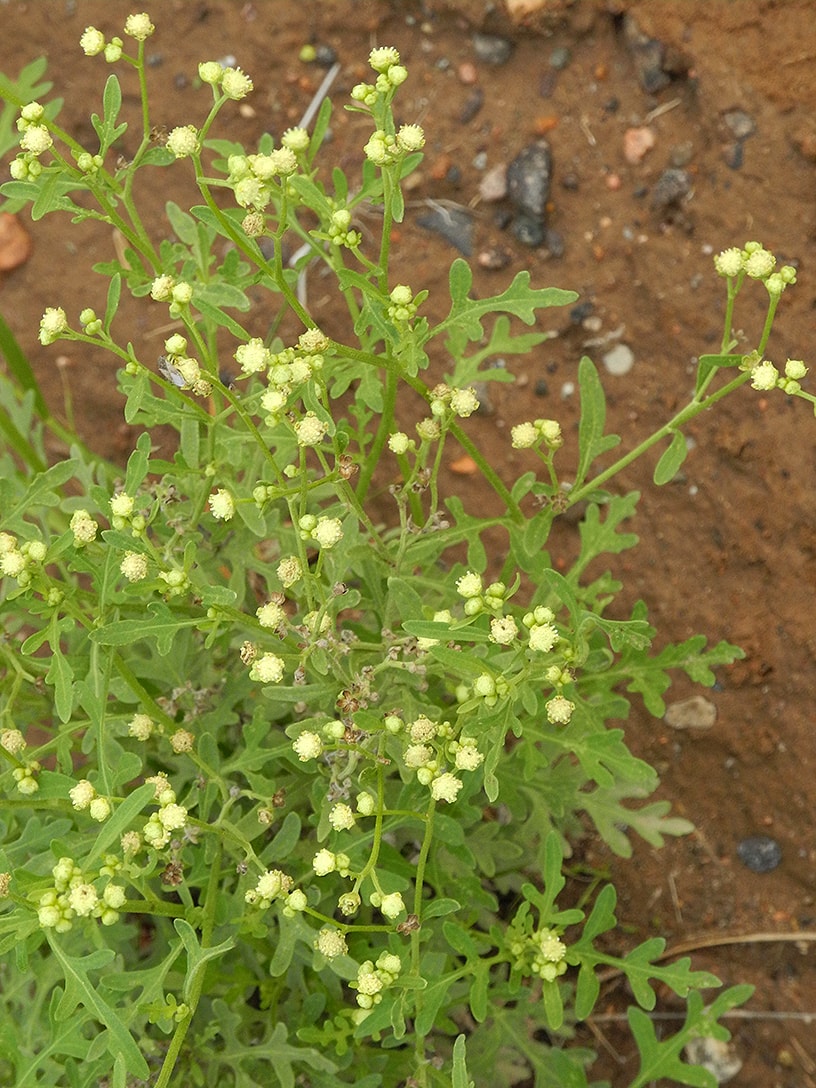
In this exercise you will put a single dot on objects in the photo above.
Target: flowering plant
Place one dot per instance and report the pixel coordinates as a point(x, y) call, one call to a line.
point(289, 777)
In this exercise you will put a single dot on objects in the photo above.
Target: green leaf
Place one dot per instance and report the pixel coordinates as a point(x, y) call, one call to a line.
point(197, 956)
point(433, 997)
point(162, 625)
point(120, 820)
point(591, 439)
point(602, 537)
point(707, 363)
point(79, 990)
point(464, 321)
point(437, 908)
point(459, 1073)
point(61, 676)
point(20, 368)
point(660, 1060)
point(671, 459)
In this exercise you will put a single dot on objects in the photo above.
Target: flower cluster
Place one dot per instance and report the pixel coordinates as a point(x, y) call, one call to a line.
point(271, 885)
point(324, 531)
point(35, 139)
point(372, 979)
point(179, 367)
point(390, 74)
point(479, 598)
point(433, 752)
point(525, 436)
point(170, 817)
point(84, 796)
point(76, 895)
point(458, 402)
point(765, 376)
point(255, 179)
point(756, 262)
point(18, 559)
point(233, 82)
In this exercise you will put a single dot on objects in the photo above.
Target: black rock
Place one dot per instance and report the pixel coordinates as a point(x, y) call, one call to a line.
point(492, 49)
point(529, 231)
point(325, 55)
point(473, 103)
point(454, 224)
point(759, 853)
point(529, 177)
point(554, 241)
point(648, 55)
point(671, 187)
point(578, 314)
point(541, 388)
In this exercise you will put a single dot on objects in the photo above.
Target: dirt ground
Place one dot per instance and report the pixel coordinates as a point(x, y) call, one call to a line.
point(728, 549)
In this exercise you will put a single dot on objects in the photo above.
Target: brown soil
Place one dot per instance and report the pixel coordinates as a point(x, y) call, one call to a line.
point(729, 549)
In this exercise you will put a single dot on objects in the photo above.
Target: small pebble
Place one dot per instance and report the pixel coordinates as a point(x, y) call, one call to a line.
point(619, 360)
point(570, 182)
point(528, 230)
point(492, 49)
point(480, 160)
point(694, 713)
point(759, 853)
point(637, 143)
point(325, 55)
point(15, 242)
point(541, 388)
point(613, 182)
point(671, 187)
point(473, 103)
point(494, 259)
point(493, 185)
point(467, 73)
point(715, 1055)
point(578, 314)
point(567, 390)
point(554, 242)
point(681, 154)
point(453, 224)
point(740, 123)
point(734, 156)
point(547, 83)
point(560, 58)
point(529, 177)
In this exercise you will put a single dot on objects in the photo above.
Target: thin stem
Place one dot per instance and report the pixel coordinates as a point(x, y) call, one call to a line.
point(693, 409)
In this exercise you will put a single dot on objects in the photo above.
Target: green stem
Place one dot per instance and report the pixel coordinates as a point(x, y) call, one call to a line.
point(381, 437)
point(207, 926)
point(686, 414)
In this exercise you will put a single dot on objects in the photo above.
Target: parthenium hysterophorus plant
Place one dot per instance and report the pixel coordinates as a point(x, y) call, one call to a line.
point(288, 783)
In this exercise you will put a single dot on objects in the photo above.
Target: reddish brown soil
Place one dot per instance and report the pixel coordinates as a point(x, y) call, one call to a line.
point(730, 549)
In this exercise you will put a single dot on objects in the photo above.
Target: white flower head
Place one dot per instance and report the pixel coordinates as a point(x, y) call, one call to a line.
point(446, 787)
point(410, 137)
point(469, 585)
point(99, 809)
point(328, 532)
point(543, 637)
point(271, 615)
point(141, 727)
point(764, 376)
point(383, 57)
point(36, 139)
point(310, 430)
point(82, 794)
point(134, 566)
point(210, 71)
point(324, 862)
point(760, 263)
point(92, 41)
point(84, 528)
point(222, 505)
point(82, 899)
point(464, 402)
point(503, 629)
point(289, 570)
point(53, 324)
point(253, 357)
point(392, 905)
point(559, 710)
point(13, 741)
point(295, 139)
point(183, 141)
point(235, 84)
point(524, 436)
point(341, 817)
point(308, 746)
point(331, 943)
point(267, 669)
point(729, 262)
point(139, 26)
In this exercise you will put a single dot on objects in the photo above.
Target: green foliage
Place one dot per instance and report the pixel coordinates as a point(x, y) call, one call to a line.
point(288, 788)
